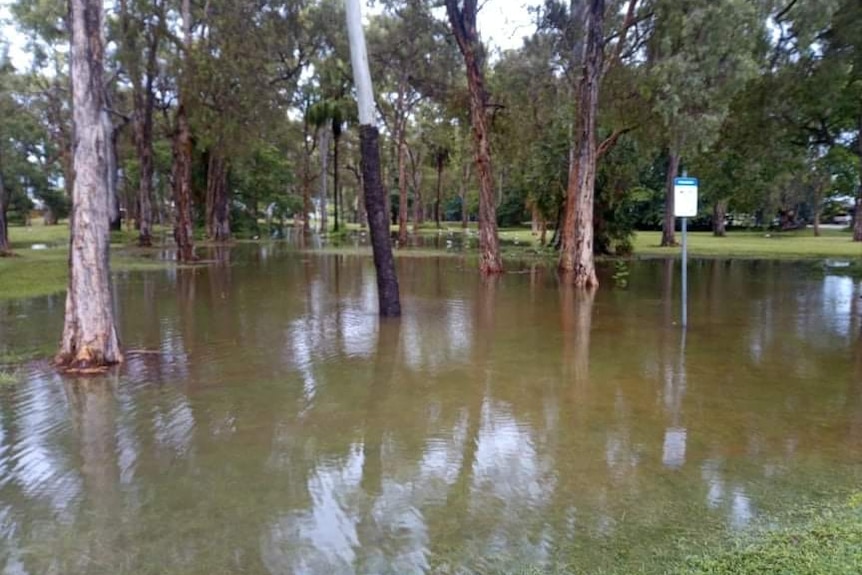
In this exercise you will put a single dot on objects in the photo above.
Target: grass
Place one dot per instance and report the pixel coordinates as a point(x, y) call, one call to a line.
point(824, 539)
point(39, 272)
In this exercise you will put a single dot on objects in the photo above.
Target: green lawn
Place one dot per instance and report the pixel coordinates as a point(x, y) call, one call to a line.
point(36, 272)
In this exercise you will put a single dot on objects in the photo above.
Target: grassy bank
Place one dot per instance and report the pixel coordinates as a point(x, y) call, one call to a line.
point(39, 265)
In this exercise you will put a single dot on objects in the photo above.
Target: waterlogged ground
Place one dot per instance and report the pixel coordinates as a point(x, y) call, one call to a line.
point(266, 422)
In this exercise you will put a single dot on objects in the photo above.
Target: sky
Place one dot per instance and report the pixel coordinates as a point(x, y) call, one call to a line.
point(502, 24)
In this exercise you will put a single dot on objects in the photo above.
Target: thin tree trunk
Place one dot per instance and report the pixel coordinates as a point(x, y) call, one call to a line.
point(668, 235)
point(719, 213)
point(369, 138)
point(5, 248)
point(217, 193)
point(111, 135)
point(418, 205)
point(439, 200)
point(857, 218)
point(336, 183)
point(182, 169)
point(464, 26)
point(402, 187)
point(576, 255)
point(89, 334)
point(144, 105)
point(465, 211)
point(324, 179)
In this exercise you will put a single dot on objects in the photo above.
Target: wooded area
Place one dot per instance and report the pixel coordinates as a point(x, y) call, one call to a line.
point(236, 117)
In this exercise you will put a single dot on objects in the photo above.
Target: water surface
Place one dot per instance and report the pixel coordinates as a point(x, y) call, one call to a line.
point(267, 422)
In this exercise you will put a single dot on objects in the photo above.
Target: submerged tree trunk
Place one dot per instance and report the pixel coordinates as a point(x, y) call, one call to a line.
point(144, 97)
point(369, 139)
point(463, 23)
point(111, 135)
point(576, 255)
point(182, 168)
point(668, 235)
point(719, 213)
point(218, 200)
point(89, 334)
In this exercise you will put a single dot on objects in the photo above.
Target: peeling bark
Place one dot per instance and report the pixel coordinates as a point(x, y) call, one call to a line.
point(90, 338)
point(463, 21)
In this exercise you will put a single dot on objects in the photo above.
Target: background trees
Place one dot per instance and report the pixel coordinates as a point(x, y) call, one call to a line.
point(226, 115)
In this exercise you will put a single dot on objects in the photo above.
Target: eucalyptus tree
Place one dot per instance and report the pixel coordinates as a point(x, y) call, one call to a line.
point(89, 334)
point(700, 54)
point(462, 18)
point(181, 175)
point(142, 31)
point(375, 203)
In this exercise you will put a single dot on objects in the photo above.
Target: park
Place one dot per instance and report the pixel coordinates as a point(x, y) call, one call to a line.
point(412, 287)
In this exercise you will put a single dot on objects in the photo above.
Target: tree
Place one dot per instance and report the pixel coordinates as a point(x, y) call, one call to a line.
point(375, 202)
point(462, 17)
point(576, 253)
point(700, 55)
point(142, 22)
point(182, 148)
point(89, 334)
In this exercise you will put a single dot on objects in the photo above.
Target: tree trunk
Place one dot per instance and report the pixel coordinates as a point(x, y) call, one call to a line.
point(464, 26)
point(857, 218)
point(465, 211)
point(418, 206)
point(89, 334)
point(182, 168)
point(324, 163)
point(5, 248)
point(369, 141)
point(145, 100)
point(218, 200)
point(576, 255)
point(668, 235)
point(402, 188)
point(719, 213)
point(439, 200)
point(111, 135)
point(336, 184)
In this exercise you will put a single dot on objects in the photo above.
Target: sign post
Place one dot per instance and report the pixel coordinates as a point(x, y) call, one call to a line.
point(685, 206)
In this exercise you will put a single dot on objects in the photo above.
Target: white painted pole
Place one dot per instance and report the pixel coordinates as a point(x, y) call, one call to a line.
point(684, 272)
point(359, 61)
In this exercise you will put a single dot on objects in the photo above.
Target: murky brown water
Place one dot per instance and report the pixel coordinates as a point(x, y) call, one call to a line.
point(269, 424)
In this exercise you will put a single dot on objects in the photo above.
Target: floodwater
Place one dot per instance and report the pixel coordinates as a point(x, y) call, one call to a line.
point(267, 422)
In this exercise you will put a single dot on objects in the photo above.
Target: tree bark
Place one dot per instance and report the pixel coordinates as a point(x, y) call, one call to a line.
point(576, 255)
point(463, 23)
point(668, 235)
point(719, 213)
point(439, 200)
point(111, 136)
point(465, 211)
point(90, 338)
point(218, 200)
point(324, 163)
point(416, 178)
point(144, 98)
point(369, 141)
point(336, 181)
point(857, 218)
point(402, 186)
point(182, 168)
point(5, 249)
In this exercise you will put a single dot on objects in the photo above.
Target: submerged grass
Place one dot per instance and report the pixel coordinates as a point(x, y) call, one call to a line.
point(33, 272)
point(821, 539)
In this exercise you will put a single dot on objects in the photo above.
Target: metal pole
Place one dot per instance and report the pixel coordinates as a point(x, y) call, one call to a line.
point(684, 272)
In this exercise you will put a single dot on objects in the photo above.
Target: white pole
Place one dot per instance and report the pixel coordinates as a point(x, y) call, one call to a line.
point(684, 272)
point(359, 61)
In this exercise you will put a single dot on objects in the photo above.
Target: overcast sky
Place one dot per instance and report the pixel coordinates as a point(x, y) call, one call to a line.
point(502, 24)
